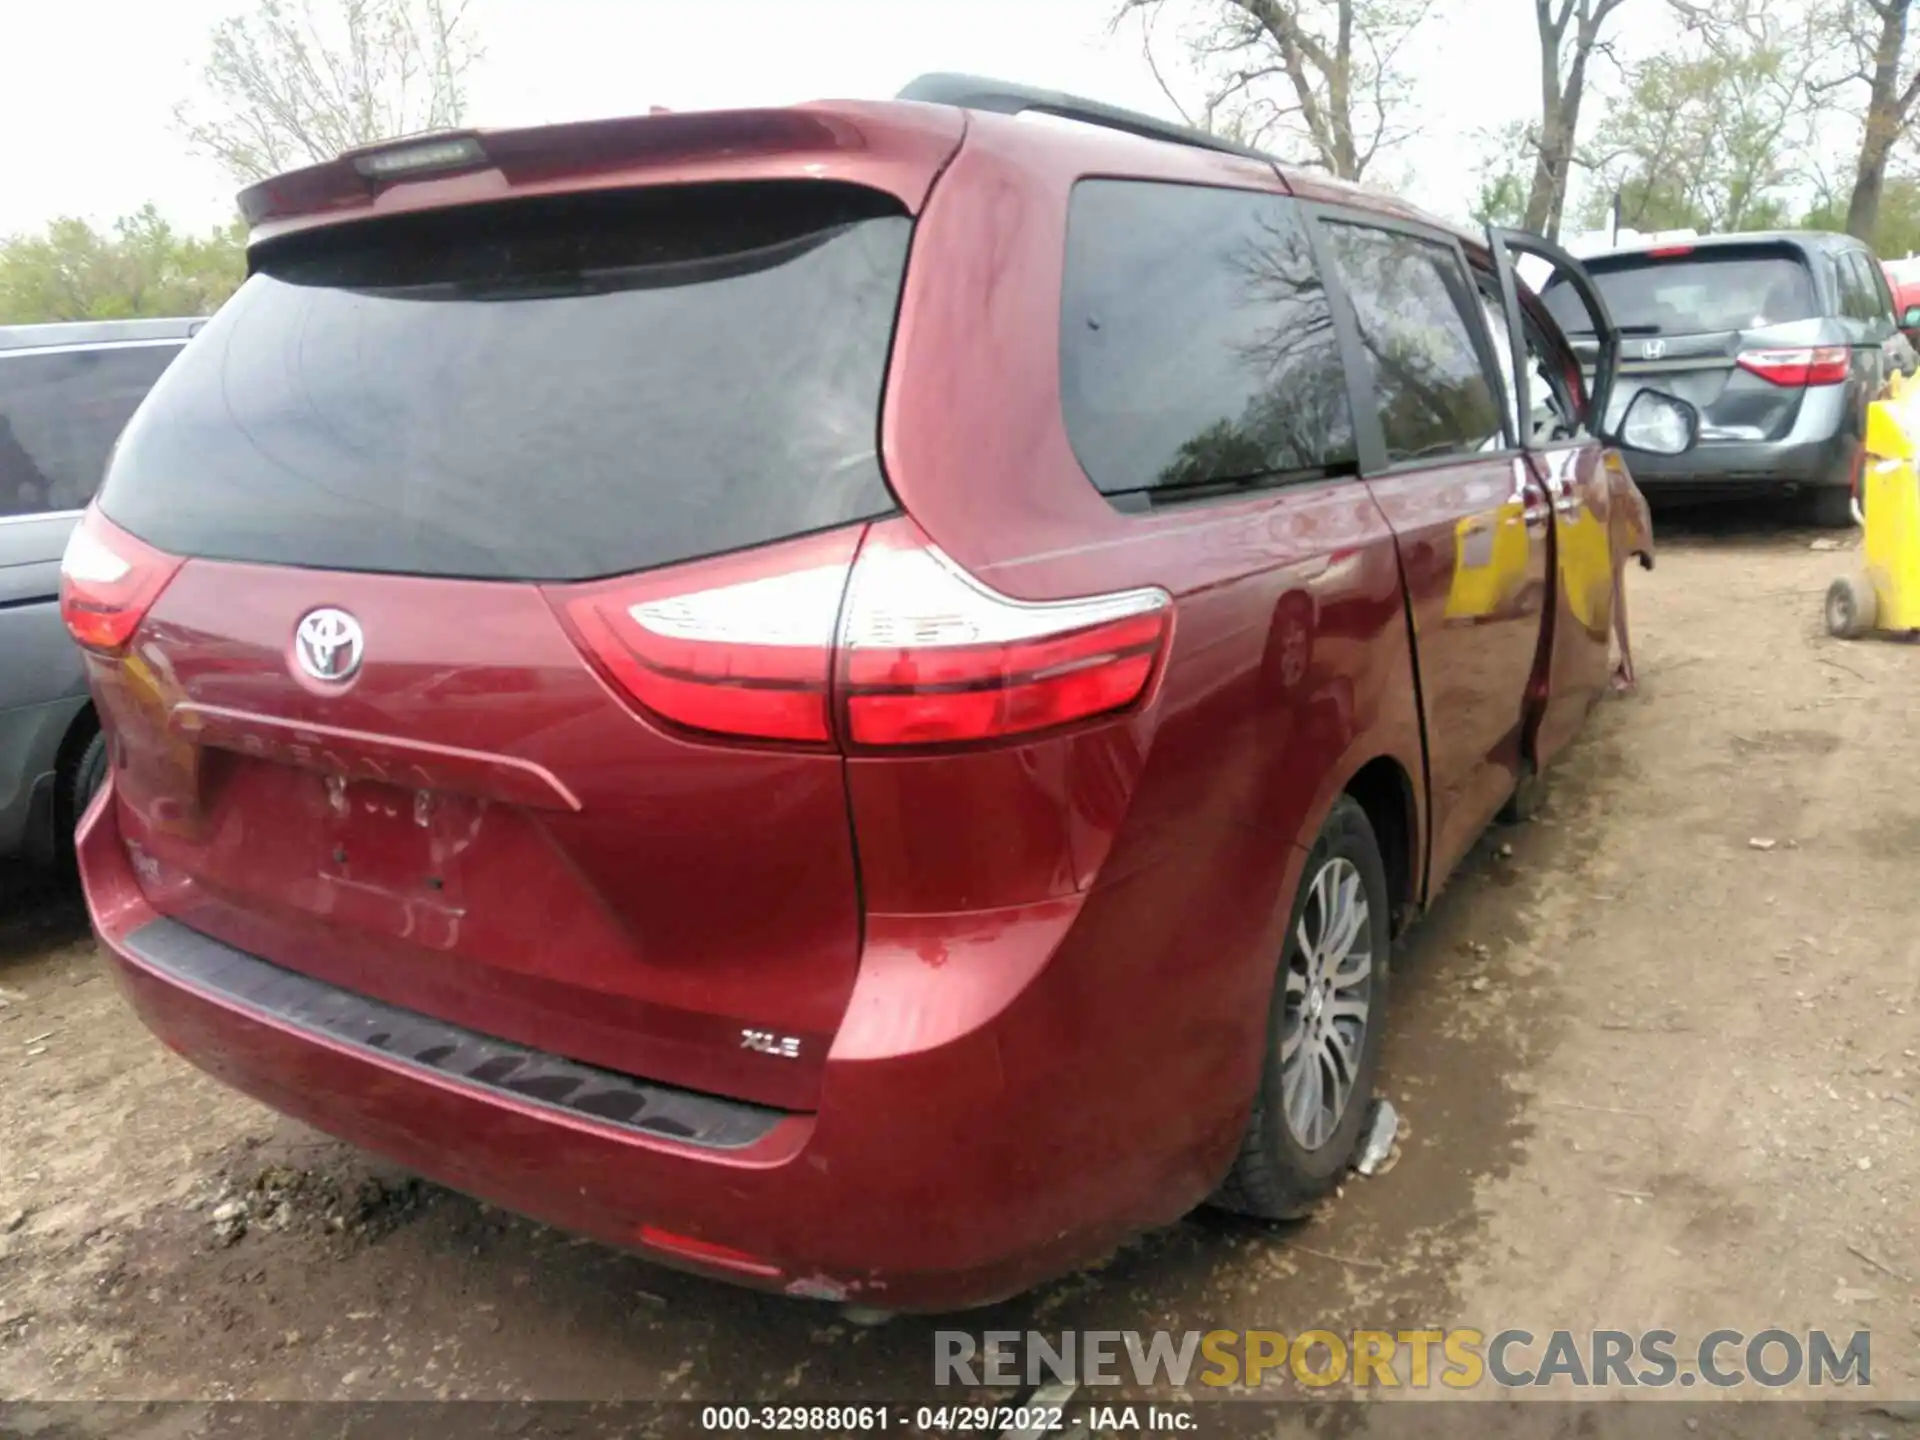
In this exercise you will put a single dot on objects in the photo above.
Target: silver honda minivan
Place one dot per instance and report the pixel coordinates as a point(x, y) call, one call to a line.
point(65, 393)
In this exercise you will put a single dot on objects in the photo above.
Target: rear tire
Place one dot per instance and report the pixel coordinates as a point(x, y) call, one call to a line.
point(89, 774)
point(1324, 1028)
point(1832, 507)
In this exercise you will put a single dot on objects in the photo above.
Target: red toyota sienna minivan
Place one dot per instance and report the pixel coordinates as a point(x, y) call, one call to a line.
point(848, 696)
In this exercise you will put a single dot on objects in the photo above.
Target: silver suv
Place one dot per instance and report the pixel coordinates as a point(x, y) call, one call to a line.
point(65, 393)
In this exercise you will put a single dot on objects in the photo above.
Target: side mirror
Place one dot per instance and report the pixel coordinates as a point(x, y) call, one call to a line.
point(1658, 424)
point(1910, 320)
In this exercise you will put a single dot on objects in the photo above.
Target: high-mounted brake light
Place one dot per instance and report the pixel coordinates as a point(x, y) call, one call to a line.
point(1822, 365)
point(108, 582)
point(930, 656)
point(1668, 252)
point(453, 152)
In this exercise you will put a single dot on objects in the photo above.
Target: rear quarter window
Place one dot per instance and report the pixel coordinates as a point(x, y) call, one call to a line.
point(538, 390)
point(1196, 341)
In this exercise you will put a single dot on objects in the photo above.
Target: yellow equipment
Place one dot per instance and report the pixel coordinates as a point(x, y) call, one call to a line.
point(1887, 596)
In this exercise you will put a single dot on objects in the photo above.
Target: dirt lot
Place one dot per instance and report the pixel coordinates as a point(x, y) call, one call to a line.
point(1658, 1053)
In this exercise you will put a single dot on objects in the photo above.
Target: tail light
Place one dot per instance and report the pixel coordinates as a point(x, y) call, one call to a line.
point(1825, 365)
point(930, 656)
point(749, 654)
point(804, 642)
point(108, 582)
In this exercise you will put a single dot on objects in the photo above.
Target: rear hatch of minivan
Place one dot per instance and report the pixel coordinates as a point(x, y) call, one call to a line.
point(1735, 329)
point(448, 701)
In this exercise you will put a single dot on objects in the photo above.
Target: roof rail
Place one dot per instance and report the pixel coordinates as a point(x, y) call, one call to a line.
point(974, 92)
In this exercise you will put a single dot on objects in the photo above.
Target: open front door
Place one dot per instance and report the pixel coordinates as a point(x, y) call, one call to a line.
point(1561, 431)
point(1505, 244)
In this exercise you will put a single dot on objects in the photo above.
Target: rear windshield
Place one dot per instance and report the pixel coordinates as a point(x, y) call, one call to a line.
point(537, 390)
point(1692, 295)
point(60, 412)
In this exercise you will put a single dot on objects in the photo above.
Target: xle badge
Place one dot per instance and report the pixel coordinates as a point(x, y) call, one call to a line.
point(787, 1047)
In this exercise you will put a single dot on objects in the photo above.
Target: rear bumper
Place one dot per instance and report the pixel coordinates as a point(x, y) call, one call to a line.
point(1730, 469)
point(929, 1179)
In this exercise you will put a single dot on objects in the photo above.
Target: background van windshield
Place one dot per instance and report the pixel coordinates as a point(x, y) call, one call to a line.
point(1694, 295)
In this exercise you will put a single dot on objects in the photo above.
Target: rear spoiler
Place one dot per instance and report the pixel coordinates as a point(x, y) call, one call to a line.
point(895, 148)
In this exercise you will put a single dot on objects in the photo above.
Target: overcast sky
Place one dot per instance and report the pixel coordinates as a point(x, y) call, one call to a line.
point(90, 88)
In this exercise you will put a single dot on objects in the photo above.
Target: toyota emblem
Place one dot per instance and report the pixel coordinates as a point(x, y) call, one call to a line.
point(328, 645)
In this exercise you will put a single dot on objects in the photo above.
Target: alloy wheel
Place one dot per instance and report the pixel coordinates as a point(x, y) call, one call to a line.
point(1328, 1002)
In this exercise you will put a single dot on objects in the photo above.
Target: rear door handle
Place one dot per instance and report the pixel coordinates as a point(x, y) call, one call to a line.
point(1531, 494)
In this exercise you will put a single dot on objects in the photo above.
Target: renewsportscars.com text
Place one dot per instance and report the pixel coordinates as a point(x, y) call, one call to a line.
point(1458, 1359)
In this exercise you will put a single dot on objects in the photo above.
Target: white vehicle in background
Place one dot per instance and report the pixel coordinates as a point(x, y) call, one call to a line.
point(1905, 271)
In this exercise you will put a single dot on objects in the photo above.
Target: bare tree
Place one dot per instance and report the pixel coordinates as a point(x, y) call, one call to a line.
point(1715, 132)
point(1870, 36)
point(1570, 36)
point(1861, 71)
point(1324, 73)
point(299, 81)
point(1503, 171)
